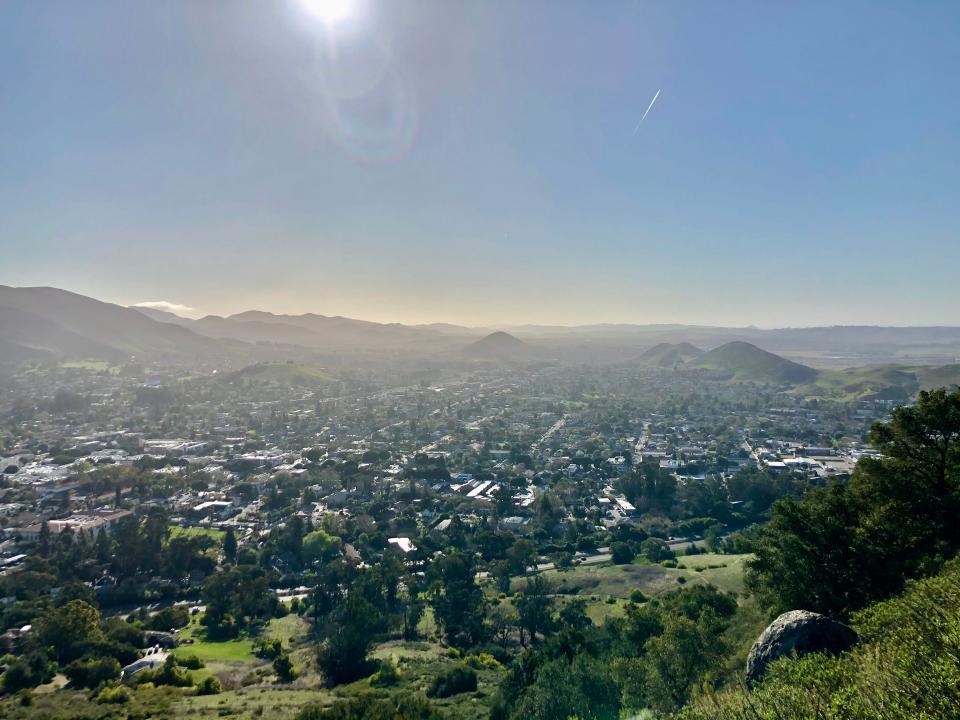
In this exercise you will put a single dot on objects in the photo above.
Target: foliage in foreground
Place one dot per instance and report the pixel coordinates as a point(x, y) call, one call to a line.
point(909, 666)
point(401, 706)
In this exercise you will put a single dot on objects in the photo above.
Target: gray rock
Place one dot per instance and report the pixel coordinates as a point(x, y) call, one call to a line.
point(800, 632)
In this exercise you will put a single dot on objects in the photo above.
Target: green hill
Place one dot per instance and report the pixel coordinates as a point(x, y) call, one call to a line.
point(937, 377)
point(745, 362)
point(669, 354)
point(281, 374)
point(880, 382)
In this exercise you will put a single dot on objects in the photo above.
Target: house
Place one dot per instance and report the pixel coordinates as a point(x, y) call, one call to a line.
point(213, 508)
point(91, 522)
point(154, 658)
point(403, 544)
point(514, 523)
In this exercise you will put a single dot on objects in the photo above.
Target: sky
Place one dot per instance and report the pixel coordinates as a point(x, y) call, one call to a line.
point(487, 162)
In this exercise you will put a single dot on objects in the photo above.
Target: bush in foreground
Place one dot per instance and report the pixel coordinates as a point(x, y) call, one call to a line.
point(453, 681)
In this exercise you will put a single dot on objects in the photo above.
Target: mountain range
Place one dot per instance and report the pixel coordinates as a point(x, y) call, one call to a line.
point(42, 323)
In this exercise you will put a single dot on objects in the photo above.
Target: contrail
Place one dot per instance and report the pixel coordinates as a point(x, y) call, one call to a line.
point(646, 111)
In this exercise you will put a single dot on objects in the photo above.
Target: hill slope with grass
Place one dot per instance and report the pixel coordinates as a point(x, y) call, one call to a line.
point(907, 666)
point(745, 362)
point(282, 374)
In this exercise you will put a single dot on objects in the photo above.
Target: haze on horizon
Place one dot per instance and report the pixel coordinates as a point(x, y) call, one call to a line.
point(487, 163)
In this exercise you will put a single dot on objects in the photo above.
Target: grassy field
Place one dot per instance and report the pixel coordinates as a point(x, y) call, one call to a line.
point(176, 530)
point(94, 365)
point(256, 695)
point(282, 374)
point(249, 703)
point(603, 580)
point(247, 679)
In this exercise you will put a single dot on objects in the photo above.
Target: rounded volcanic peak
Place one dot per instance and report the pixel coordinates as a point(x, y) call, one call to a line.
point(281, 373)
point(797, 632)
point(743, 361)
point(500, 339)
point(688, 350)
point(669, 354)
point(498, 345)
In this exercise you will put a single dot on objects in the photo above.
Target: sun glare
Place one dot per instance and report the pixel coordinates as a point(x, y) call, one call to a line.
point(329, 11)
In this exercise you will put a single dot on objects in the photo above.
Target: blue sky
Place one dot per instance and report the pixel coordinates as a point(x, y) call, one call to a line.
point(477, 162)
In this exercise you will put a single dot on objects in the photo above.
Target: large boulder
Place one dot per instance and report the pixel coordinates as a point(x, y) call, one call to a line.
point(800, 632)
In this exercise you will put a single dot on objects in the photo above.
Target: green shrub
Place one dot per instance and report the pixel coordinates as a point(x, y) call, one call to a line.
point(621, 553)
point(92, 672)
point(283, 667)
point(483, 660)
point(386, 676)
point(175, 616)
point(458, 679)
point(209, 686)
point(116, 695)
point(191, 662)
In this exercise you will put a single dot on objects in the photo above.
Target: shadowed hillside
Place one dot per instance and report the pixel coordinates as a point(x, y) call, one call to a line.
point(669, 354)
point(743, 361)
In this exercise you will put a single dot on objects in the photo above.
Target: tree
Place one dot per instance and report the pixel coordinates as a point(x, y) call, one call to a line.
point(535, 607)
point(320, 546)
point(621, 553)
point(72, 624)
point(283, 667)
point(582, 689)
point(43, 544)
point(349, 635)
point(92, 672)
point(677, 659)
point(842, 547)
point(521, 555)
point(230, 545)
point(456, 599)
point(503, 501)
point(235, 597)
point(502, 620)
point(656, 550)
point(28, 671)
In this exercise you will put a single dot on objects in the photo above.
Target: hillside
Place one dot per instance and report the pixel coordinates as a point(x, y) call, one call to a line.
point(498, 346)
point(905, 667)
point(286, 373)
point(882, 382)
point(669, 354)
point(936, 377)
point(745, 362)
point(325, 332)
point(69, 325)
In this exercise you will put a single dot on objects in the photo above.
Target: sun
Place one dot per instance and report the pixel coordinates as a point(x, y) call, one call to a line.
point(329, 11)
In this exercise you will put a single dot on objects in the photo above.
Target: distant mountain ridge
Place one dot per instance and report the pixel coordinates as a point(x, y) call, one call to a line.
point(38, 323)
point(65, 324)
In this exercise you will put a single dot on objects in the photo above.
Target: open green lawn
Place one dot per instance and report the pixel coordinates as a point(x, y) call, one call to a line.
point(213, 533)
point(724, 571)
point(601, 581)
point(95, 365)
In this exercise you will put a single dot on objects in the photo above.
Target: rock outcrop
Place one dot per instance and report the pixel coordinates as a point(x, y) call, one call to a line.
point(800, 632)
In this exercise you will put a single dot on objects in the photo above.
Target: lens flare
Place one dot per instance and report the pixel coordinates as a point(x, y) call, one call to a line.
point(329, 11)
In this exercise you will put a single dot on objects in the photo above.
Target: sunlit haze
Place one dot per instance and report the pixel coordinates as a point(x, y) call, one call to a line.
point(487, 163)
